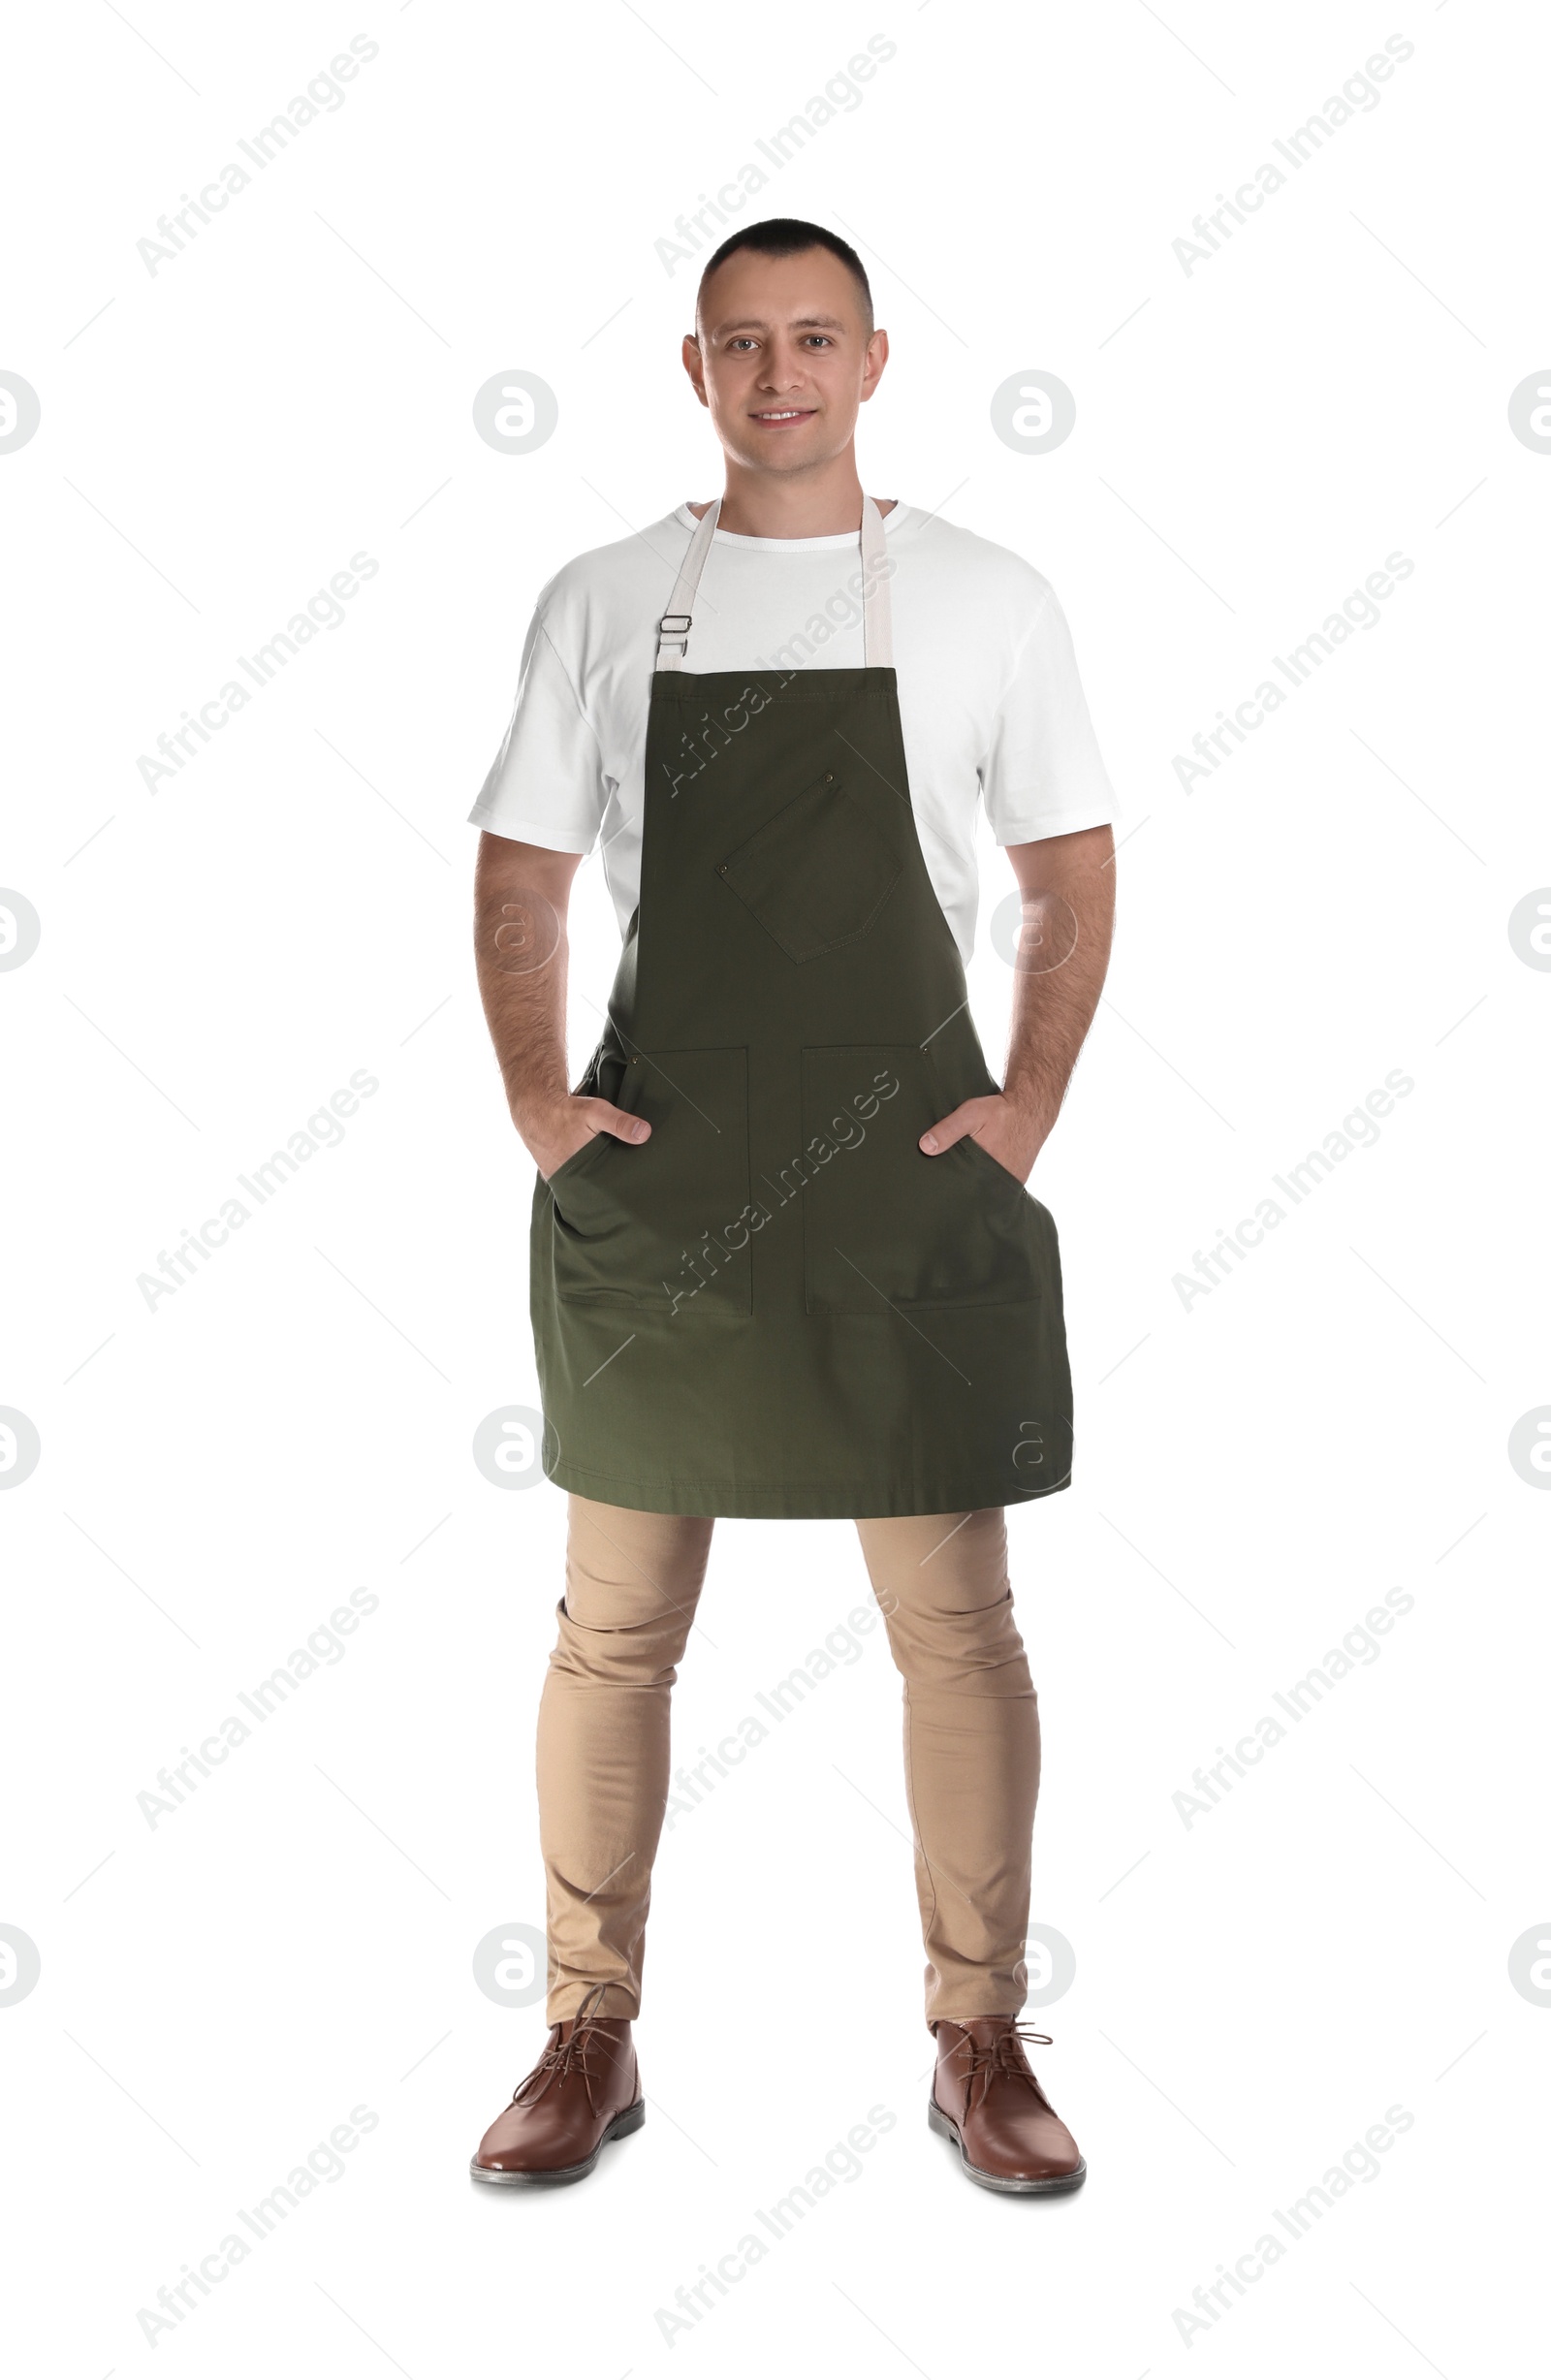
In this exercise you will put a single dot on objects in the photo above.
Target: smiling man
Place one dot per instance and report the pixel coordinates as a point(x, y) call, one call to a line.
point(783, 1263)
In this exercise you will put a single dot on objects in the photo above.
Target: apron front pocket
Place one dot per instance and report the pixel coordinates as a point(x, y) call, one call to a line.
point(662, 1223)
point(817, 874)
point(886, 1226)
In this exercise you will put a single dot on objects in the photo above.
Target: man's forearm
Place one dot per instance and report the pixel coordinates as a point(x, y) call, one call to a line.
point(520, 895)
point(1067, 887)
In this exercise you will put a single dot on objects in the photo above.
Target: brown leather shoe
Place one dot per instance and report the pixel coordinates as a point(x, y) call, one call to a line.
point(986, 2099)
point(584, 2091)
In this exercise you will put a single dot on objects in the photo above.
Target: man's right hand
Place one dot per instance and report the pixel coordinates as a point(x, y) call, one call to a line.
point(562, 1131)
point(520, 895)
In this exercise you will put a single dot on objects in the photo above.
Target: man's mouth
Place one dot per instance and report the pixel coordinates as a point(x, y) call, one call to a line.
point(788, 413)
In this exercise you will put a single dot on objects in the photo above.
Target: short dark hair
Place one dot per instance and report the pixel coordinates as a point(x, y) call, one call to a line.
point(788, 236)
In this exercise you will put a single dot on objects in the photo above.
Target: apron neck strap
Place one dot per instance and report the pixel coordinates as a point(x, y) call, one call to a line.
point(877, 624)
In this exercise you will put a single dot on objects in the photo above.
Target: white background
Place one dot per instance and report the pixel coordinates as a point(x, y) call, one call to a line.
point(217, 957)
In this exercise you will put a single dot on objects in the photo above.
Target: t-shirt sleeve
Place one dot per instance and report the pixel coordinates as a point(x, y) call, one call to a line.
point(547, 785)
point(1042, 774)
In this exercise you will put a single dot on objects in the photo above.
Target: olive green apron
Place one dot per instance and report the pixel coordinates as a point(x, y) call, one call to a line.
point(778, 1305)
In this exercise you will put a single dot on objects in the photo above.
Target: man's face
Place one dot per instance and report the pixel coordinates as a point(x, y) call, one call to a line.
point(783, 358)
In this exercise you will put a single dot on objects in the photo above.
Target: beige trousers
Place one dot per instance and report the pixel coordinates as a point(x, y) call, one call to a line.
point(971, 1746)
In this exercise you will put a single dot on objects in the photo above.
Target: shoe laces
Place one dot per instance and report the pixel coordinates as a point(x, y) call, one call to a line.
point(1001, 2060)
point(563, 2058)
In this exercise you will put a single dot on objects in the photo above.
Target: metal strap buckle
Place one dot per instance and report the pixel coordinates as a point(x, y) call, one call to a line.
point(675, 623)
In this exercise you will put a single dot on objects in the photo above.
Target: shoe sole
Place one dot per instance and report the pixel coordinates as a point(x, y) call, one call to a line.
point(631, 2121)
point(1048, 2185)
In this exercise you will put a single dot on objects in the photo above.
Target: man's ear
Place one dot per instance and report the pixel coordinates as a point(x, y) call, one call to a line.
point(694, 364)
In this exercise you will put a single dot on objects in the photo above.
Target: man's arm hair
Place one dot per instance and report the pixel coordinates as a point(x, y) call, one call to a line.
point(1067, 885)
point(521, 894)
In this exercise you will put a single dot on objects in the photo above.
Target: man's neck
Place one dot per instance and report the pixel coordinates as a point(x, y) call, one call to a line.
point(825, 502)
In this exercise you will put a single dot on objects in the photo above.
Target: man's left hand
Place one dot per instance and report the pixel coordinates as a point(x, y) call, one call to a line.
point(1008, 1131)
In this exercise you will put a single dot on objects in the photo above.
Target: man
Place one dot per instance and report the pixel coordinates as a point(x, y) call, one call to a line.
point(782, 1261)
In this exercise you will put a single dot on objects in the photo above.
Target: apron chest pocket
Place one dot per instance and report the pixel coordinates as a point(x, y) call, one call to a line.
point(662, 1223)
point(817, 874)
point(886, 1226)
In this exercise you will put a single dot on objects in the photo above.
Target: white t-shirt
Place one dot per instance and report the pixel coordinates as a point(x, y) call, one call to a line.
point(990, 700)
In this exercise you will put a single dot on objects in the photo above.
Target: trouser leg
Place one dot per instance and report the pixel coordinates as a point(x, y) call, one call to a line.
point(971, 1749)
point(632, 1582)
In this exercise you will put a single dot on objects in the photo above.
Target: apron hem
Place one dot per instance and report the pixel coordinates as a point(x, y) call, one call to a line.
point(788, 1500)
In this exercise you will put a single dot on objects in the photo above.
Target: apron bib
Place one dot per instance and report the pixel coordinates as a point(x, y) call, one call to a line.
point(778, 1304)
